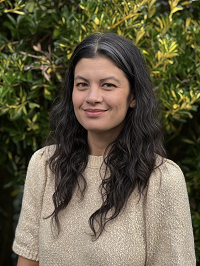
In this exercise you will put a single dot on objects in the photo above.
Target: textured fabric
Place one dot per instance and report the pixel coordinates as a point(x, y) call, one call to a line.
point(155, 230)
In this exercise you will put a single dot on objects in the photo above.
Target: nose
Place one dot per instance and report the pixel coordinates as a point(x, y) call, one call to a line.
point(94, 95)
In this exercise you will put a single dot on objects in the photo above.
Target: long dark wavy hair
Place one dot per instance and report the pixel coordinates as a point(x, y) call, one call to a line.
point(131, 157)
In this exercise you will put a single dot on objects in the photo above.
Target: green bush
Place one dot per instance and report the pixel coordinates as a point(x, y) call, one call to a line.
point(37, 38)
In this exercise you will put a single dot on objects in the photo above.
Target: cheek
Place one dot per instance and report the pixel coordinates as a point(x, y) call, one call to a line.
point(75, 99)
point(78, 98)
point(121, 102)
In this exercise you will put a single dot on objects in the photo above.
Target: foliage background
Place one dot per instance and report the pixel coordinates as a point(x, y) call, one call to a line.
point(37, 38)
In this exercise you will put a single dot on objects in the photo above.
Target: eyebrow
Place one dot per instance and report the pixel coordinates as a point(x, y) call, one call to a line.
point(101, 80)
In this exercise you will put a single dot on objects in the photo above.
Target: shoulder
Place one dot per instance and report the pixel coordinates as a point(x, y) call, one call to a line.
point(44, 153)
point(40, 160)
point(38, 169)
point(167, 192)
point(166, 164)
point(167, 170)
point(167, 178)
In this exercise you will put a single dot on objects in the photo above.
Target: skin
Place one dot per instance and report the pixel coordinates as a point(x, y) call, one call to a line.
point(101, 97)
point(25, 262)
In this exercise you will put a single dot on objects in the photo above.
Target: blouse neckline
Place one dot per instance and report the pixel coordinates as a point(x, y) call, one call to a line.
point(94, 161)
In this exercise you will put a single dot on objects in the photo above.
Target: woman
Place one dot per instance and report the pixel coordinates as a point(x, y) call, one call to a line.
point(103, 194)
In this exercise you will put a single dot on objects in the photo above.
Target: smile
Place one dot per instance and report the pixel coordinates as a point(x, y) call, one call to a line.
point(94, 112)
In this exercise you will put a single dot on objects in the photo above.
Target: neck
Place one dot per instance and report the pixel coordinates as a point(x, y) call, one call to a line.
point(98, 142)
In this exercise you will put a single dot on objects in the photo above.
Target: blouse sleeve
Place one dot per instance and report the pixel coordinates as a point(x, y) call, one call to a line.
point(169, 233)
point(27, 231)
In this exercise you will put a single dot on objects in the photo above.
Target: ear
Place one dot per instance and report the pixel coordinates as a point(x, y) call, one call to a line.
point(133, 102)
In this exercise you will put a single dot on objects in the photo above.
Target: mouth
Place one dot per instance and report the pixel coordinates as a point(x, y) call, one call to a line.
point(94, 112)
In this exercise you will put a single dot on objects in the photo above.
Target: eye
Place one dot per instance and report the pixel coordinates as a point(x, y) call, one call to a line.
point(108, 85)
point(81, 85)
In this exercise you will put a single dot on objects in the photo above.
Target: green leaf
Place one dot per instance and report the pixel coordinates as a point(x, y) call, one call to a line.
point(29, 76)
point(16, 116)
point(33, 105)
point(56, 33)
point(11, 19)
point(47, 94)
point(30, 6)
point(4, 91)
point(8, 25)
point(18, 137)
point(5, 78)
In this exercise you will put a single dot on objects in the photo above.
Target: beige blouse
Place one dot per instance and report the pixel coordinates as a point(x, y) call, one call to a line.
point(154, 231)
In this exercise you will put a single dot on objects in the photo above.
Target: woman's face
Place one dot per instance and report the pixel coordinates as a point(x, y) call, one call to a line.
point(101, 95)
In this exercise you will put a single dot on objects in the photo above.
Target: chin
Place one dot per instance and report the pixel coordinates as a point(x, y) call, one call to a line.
point(96, 130)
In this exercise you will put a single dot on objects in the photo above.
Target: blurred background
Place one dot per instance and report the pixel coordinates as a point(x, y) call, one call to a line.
point(37, 38)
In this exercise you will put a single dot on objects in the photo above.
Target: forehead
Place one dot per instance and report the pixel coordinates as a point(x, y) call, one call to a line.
point(98, 66)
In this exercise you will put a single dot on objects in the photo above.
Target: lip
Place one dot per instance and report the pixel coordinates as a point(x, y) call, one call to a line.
point(94, 112)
